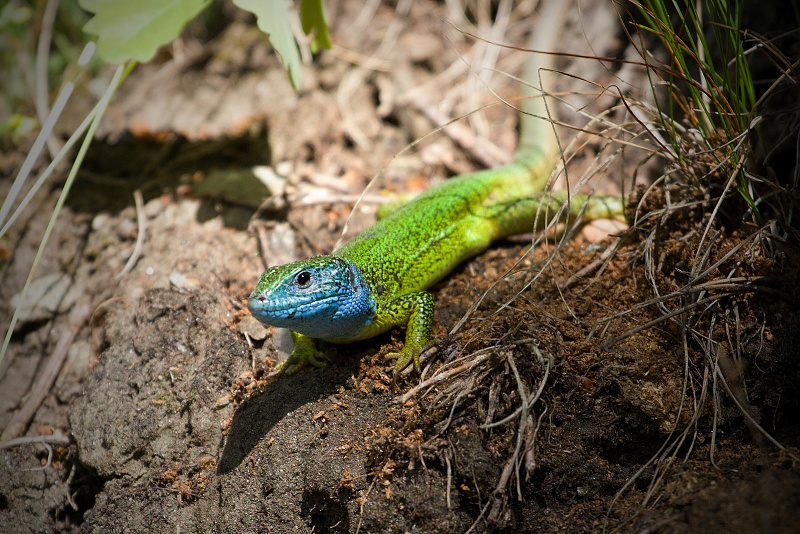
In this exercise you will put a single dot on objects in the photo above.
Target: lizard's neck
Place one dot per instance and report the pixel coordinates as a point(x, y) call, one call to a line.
point(354, 311)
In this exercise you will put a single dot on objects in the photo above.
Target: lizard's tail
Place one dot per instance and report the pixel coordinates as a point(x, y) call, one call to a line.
point(538, 148)
point(520, 200)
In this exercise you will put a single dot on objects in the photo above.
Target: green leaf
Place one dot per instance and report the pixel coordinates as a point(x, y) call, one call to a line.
point(135, 29)
point(17, 127)
point(12, 15)
point(273, 19)
point(312, 16)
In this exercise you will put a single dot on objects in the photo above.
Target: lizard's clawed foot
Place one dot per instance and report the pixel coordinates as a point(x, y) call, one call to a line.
point(408, 355)
point(296, 362)
point(403, 360)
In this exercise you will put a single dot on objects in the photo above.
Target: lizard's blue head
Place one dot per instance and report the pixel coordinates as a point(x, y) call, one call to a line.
point(323, 297)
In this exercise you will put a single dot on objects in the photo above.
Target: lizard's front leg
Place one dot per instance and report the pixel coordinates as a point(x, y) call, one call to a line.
point(415, 310)
point(304, 352)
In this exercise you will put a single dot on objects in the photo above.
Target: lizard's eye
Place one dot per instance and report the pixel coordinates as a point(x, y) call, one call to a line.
point(303, 278)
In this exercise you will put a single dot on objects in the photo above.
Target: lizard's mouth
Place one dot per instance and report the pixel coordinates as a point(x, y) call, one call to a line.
point(278, 308)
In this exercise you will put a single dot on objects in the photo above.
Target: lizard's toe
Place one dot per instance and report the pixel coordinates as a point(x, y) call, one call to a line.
point(403, 360)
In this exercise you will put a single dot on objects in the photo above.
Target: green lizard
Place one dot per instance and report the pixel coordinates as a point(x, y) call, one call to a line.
point(378, 280)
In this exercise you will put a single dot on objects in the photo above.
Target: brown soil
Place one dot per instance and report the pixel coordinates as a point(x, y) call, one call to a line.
point(175, 426)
